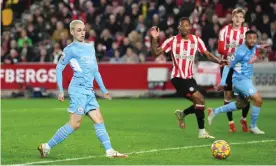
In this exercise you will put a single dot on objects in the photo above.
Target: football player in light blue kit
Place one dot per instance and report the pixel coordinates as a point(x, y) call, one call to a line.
point(242, 63)
point(82, 59)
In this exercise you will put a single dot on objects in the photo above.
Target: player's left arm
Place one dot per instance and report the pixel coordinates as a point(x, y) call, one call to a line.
point(257, 57)
point(262, 46)
point(99, 81)
point(202, 49)
point(234, 59)
point(213, 58)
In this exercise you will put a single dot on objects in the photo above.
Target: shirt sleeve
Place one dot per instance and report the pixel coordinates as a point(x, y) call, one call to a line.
point(99, 81)
point(201, 45)
point(221, 42)
point(224, 75)
point(221, 34)
point(167, 44)
point(64, 60)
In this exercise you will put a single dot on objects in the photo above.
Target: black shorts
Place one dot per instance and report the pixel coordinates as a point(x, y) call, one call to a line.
point(228, 87)
point(184, 87)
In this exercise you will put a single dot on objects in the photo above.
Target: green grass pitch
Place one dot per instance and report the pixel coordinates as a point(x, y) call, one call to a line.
point(146, 127)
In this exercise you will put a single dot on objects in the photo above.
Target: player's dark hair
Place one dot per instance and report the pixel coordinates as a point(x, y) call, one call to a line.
point(250, 32)
point(184, 19)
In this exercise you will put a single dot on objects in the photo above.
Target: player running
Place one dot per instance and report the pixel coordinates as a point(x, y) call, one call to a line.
point(230, 37)
point(242, 64)
point(82, 59)
point(183, 49)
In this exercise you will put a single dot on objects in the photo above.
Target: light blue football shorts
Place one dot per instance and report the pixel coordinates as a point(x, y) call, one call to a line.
point(244, 87)
point(81, 103)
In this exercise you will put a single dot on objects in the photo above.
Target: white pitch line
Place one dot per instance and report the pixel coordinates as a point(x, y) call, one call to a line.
point(58, 108)
point(144, 151)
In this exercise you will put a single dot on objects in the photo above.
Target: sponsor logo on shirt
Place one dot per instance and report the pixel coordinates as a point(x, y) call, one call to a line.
point(177, 56)
point(232, 45)
point(88, 59)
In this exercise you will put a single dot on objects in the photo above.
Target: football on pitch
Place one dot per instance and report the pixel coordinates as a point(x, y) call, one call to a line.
point(220, 149)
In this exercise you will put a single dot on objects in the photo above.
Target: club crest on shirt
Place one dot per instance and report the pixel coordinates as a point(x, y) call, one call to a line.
point(80, 109)
point(241, 36)
point(232, 58)
point(192, 45)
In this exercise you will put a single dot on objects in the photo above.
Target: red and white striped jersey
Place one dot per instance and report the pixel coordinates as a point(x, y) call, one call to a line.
point(230, 39)
point(183, 53)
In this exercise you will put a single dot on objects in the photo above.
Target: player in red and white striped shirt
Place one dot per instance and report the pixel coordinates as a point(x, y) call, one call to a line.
point(183, 48)
point(230, 37)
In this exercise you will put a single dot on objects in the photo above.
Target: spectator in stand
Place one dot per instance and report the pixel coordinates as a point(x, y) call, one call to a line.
point(160, 59)
point(92, 36)
point(56, 53)
point(127, 25)
point(25, 53)
point(12, 57)
point(124, 46)
point(43, 56)
point(134, 11)
point(130, 57)
point(272, 55)
point(112, 24)
point(265, 39)
point(265, 25)
point(5, 41)
point(63, 40)
point(45, 18)
point(141, 27)
point(106, 39)
point(60, 28)
point(134, 37)
point(32, 33)
point(116, 58)
point(24, 38)
point(140, 49)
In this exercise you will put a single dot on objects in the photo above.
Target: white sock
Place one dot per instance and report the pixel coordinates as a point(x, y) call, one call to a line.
point(202, 131)
point(231, 122)
point(242, 118)
point(47, 146)
point(109, 150)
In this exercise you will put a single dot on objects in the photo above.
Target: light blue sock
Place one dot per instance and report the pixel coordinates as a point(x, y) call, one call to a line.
point(102, 135)
point(60, 135)
point(254, 116)
point(226, 108)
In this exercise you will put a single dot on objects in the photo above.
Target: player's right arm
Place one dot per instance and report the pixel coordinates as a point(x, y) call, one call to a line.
point(154, 44)
point(64, 60)
point(166, 46)
point(221, 42)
